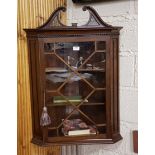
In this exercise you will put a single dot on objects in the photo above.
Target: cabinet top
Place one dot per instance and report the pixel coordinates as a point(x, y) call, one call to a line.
point(94, 22)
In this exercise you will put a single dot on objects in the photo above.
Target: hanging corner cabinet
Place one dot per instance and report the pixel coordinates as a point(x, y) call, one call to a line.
point(74, 73)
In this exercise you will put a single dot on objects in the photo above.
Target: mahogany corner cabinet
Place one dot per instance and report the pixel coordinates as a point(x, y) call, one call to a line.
point(74, 81)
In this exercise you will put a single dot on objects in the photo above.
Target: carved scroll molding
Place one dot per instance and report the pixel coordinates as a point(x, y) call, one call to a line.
point(94, 18)
point(54, 19)
point(55, 22)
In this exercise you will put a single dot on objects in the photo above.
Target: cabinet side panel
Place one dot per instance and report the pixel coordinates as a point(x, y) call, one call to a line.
point(111, 85)
point(41, 74)
point(108, 87)
point(116, 85)
point(34, 94)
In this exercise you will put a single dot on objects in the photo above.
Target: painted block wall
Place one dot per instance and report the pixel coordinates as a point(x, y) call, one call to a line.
point(118, 13)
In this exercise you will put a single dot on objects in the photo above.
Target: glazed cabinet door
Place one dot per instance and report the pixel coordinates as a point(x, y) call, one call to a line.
point(75, 77)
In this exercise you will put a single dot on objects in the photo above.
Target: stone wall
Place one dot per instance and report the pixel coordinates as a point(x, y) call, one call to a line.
point(118, 13)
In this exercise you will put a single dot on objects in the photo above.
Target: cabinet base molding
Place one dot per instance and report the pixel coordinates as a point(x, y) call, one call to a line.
point(115, 139)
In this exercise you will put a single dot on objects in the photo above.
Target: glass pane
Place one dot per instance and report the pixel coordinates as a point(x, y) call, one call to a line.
point(77, 121)
point(96, 79)
point(99, 118)
point(74, 54)
point(95, 62)
point(75, 75)
point(98, 97)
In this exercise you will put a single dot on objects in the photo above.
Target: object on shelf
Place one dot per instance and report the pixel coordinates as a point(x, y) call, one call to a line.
point(55, 69)
point(69, 60)
point(99, 65)
point(89, 66)
point(75, 127)
point(75, 64)
point(76, 48)
point(61, 77)
point(73, 99)
point(79, 63)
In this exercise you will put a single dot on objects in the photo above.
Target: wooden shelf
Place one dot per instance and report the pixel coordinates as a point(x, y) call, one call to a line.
point(97, 51)
point(55, 128)
point(52, 52)
point(100, 125)
point(62, 70)
point(92, 104)
point(93, 139)
point(56, 69)
point(91, 70)
point(52, 128)
point(85, 104)
point(101, 51)
point(82, 137)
